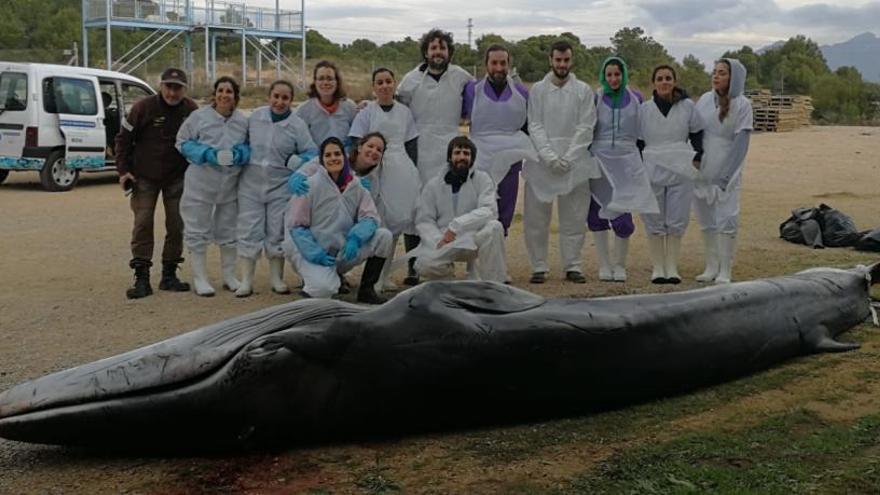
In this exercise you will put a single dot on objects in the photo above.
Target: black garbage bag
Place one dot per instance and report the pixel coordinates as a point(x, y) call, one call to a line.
point(838, 229)
point(803, 227)
point(870, 241)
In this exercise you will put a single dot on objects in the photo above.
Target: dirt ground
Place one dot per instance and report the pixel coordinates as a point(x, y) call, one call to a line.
point(62, 304)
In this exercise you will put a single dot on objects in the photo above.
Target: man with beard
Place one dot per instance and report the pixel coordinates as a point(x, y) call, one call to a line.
point(562, 114)
point(433, 91)
point(456, 220)
point(497, 107)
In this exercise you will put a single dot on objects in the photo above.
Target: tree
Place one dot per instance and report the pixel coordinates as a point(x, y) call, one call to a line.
point(362, 46)
point(692, 76)
point(640, 52)
point(793, 67)
point(752, 63)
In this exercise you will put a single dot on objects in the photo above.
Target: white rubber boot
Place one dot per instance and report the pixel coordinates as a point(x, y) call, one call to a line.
point(621, 248)
point(726, 248)
point(200, 274)
point(600, 238)
point(673, 247)
point(228, 256)
point(472, 270)
point(657, 251)
point(710, 244)
point(276, 276)
point(248, 266)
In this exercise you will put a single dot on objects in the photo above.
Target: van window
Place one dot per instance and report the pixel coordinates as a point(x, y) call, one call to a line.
point(13, 91)
point(131, 93)
point(69, 95)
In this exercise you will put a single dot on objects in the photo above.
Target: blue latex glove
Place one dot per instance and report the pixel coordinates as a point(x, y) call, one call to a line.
point(298, 184)
point(196, 152)
point(365, 181)
point(308, 154)
point(309, 248)
point(363, 231)
point(351, 248)
point(211, 157)
point(241, 154)
point(326, 260)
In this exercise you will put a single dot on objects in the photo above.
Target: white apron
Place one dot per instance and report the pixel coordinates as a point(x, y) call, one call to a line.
point(676, 158)
point(548, 184)
point(496, 130)
point(436, 107)
point(625, 186)
point(398, 178)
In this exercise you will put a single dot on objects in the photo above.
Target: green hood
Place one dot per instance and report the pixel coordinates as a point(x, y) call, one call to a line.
point(614, 95)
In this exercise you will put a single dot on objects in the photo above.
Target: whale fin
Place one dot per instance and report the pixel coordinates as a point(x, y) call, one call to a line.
point(476, 297)
point(827, 344)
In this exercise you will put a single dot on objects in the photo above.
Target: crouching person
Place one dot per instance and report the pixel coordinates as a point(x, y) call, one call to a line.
point(335, 227)
point(456, 219)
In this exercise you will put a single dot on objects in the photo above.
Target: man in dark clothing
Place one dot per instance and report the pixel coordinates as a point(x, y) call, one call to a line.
point(148, 164)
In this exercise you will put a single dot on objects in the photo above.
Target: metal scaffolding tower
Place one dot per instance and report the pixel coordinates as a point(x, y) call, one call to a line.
point(169, 21)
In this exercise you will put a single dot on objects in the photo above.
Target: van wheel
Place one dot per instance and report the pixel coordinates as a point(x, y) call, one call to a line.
point(3, 175)
point(55, 176)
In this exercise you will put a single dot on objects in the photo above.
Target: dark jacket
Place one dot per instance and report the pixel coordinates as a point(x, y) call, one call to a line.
point(145, 144)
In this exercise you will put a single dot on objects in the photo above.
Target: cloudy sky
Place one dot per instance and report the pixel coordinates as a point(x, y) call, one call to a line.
point(705, 28)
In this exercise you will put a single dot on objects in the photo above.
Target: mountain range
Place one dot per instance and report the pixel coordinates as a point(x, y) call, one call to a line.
point(861, 52)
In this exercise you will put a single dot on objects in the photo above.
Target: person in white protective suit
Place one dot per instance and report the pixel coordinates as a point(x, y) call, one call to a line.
point(335, 227)
point(280, 142)
point(399, 179)
point(327, 112)
point(457, 220)
point(624, 187)
point(672, 135)
point(433, 91)
point(727, 116)
point(365, 159)
point(214, 141)
point(562, 114)
point(497, 107)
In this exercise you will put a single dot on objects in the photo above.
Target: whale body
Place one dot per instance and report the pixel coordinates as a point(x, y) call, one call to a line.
point(438, 355)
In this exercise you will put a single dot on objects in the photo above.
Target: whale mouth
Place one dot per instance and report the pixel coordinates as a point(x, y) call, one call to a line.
point(169, 365)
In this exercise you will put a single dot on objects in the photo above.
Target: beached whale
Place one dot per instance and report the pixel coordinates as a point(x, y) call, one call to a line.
point(441, 354)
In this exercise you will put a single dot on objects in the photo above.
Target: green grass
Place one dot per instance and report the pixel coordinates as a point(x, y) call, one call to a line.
point(790, 453)
point(376, 481)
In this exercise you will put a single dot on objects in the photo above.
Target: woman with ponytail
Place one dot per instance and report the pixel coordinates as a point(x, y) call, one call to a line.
point(727, 116)
point(624, 186)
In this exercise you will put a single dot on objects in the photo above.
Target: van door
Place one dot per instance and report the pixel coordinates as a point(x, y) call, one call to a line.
point(80, 110)
point(14, 114)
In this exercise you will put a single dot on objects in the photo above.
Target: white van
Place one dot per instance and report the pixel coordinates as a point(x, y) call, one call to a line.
point(60, 120)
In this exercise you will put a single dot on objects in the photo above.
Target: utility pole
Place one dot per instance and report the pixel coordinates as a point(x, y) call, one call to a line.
point(470, 26)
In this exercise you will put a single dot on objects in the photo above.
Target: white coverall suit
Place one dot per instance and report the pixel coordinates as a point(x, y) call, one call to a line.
point(209, 204)
point(323, 124)
point(669, 160)
point(471, 215)
point(561, 121)
point(263, 194)
point(725, 145)
point(330, 214)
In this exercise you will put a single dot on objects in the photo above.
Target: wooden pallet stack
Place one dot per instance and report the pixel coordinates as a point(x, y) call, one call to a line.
point(779, 113)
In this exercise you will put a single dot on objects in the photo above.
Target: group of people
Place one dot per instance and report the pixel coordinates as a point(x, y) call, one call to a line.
point(332, 184)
